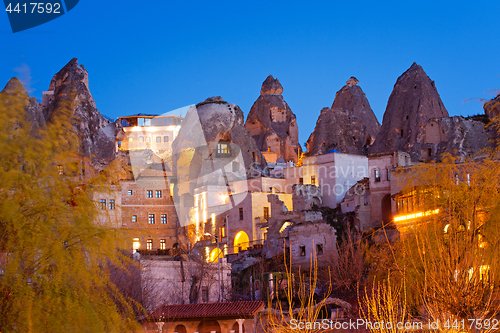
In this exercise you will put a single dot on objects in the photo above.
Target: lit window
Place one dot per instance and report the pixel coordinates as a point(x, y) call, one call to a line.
point(149, 244)
point(223, 149)
point(377, 175)
point(136, 243)
point(60, 169)
point(223, 231)
point(313, 180)
point(103, 203)
point(166, 139)
point(241, 213)
point(151, 218)
point(163, 244)
point(158, 139)
point(302, 251)
point(158, 194)
point(111, 204)
point(266, 213)
point(129, 192)
point(163, 219)
point(149, 193)
point(130, 139)
point(319, 249)
point(134, 218)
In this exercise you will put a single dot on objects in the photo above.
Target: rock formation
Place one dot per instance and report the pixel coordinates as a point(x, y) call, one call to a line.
point(492, 107)
point(33, 109)
point(272, 124)
point(413, 101)
point(454, 135)
point(214, 132)
point(349, 126)
point(69, 88)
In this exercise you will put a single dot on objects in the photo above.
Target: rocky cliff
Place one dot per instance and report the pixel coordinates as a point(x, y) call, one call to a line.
point(272, 123)
point(413, 101)
point(349, 126)
point(492, 107)
point(69, 89)
point(33, 109)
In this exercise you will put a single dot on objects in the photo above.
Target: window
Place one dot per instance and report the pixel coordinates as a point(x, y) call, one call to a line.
point(402, 133)
point(129, 192)
point(111, 204)
point(301, 181)
point(149, 193)
point(223, 149)
point(134, 218)
point(377, 175)
point(60, 169)
point(151, 218)
point(222, 231)
point(241, 213)
point(313, 180)
point(158, 139)
point(302, 251)
point(149, 244)
point(166, 139)
point(236, 166)
point(163, 244)
point(319, 249)
point(147, 122)
point(266, 213)
point(158, 194)
point(130, 139)
point(140, 121)
point(204, 294)
point(148, 139)
point(141, 139)
point(103, 203)
point(163, 218)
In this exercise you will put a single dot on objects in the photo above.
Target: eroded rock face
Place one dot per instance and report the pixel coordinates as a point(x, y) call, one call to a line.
point(349, 126)
point(492, 107)
point(272, 123)
point(33, 109)
point(69, 88)
point(413, 101)
point(454, 135)
point(212, 122)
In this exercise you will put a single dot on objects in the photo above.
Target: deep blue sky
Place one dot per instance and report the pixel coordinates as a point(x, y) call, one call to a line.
point(155, 56)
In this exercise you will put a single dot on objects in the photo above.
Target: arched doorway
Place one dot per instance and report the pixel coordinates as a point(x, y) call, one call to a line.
point(180, 329)
point(241, 241)
point(236, 328)
point(213, 255)
point(386, 209)
point(207, 326)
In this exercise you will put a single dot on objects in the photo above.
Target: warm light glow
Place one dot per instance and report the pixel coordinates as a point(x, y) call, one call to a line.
point(136, 244)
point(224, 198)
point(241, 241)
point(285, 225)
point(151, 129)
point(213, 255)
point(415, 215)
point(446, 228)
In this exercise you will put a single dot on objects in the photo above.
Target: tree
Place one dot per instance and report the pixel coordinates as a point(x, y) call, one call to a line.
point(54, 258)
point(449, 256)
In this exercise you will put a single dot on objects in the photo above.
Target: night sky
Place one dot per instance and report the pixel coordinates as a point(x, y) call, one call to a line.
point(156, 56)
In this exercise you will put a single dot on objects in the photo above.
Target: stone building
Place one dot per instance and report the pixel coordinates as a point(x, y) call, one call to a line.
point(372, 197)
point(227, 317)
